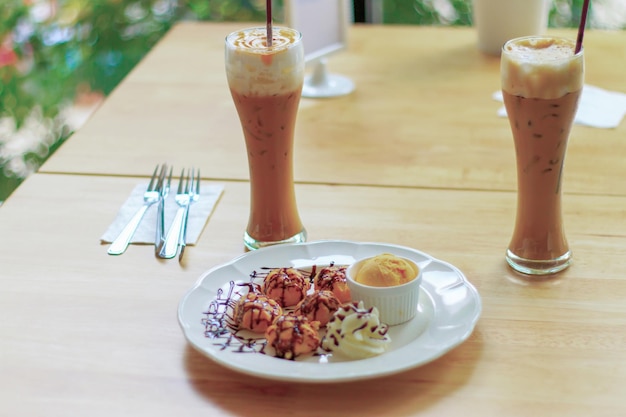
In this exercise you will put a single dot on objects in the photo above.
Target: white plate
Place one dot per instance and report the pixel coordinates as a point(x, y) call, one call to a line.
point(448, 310)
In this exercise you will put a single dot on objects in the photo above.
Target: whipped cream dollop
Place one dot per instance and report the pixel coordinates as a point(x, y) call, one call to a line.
point(356, 332)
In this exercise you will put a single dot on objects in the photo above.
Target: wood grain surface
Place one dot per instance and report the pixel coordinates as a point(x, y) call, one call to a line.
point(422, 115)
point(415, 157)
point(85, 333)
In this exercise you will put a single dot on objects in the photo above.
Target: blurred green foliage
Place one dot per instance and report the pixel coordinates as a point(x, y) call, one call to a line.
point(53, 51)
point(428, 12)
point(563, 13)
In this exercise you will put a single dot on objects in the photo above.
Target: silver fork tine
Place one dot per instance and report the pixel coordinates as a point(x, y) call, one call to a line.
point(197, 190)
point(194, 195)
point(150, 196)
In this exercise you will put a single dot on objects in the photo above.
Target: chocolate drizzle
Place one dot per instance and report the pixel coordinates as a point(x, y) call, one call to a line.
point(356, 331)
point(329, 277)
point(319, 306)
point(256, 312)
point(333, 278)
point(288, 286)
point(220, 324)
point(220, 318)
point(292, 335)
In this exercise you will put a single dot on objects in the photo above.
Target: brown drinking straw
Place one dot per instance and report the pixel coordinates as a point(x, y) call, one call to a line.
point(268, 24)
point(581, 27)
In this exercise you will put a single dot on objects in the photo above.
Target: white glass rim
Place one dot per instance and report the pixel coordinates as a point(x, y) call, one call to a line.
point(264, 50)
point(521, 38)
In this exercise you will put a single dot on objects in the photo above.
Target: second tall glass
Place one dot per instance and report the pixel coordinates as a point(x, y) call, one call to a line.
point(542, 80)
point(266, 85)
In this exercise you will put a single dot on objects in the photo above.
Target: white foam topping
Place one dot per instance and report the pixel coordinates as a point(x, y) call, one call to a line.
point(253, 68)
point(541, 67)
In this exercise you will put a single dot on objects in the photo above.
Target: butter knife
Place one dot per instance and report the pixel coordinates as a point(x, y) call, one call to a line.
point(164, 189)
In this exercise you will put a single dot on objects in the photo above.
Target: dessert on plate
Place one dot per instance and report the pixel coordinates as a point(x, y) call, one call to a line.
point(288, 286)
point(388, 282)
point(356, 332)
point(256, 312)
point(329, 310)
point(386, 270)
point(333, 278)
point(292, 336)
point(318, 306)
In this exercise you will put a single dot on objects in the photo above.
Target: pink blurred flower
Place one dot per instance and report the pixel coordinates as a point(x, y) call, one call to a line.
point(8, 56)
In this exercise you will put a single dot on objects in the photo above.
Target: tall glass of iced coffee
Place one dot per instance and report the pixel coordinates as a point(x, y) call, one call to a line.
point(542, 79)
point(266, 84)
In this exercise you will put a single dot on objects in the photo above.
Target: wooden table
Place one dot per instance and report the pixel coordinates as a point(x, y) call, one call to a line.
point(422, 115)
point(85, 333)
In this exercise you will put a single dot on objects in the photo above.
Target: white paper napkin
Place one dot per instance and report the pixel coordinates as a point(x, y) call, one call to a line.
point(598, 108)
point(198, 214)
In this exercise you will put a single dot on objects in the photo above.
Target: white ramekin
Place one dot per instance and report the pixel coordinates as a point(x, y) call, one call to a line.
point(396, 305)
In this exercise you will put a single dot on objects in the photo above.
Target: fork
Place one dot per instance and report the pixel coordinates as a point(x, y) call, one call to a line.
point(183, 199)
point(150, 196)
point(164, 189)
point(194, 196)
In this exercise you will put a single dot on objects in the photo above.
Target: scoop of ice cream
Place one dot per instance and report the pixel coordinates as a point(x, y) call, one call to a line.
point(356, 332)
point(292, 336)
point(386, 270)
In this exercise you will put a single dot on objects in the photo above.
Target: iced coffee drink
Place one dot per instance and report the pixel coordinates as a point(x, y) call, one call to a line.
point(542, 79)
point(266, 84)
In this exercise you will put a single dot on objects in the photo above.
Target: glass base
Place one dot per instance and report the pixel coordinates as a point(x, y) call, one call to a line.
point(322, 84)
point(538, 266)
point(253, 244)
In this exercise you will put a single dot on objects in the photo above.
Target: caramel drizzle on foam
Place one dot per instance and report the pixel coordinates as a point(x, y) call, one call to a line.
point(255, 39)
